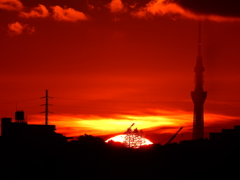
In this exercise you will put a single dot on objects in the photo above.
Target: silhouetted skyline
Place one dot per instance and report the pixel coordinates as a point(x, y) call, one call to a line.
point(29, 151)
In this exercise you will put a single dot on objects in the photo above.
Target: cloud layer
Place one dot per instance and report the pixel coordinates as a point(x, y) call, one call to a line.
point(224, 8)
point(17, 28)
point(74, 12)
point(189, 9)
point(116, 6)
point(11, 5)
point(36, 12)
point(67, 14)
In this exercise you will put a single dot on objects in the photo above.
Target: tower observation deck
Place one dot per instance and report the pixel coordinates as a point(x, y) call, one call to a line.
point(198, 95)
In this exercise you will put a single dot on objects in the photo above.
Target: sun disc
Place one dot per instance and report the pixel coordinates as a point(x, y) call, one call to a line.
point(121, 138)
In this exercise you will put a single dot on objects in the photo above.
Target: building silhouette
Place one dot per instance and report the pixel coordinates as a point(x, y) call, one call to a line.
point(226, 136)
point(21, 130)
point(198, 95)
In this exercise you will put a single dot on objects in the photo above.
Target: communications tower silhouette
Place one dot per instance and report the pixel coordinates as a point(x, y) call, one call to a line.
point(198, 95)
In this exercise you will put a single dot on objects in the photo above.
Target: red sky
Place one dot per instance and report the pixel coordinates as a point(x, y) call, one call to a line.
point(111, 63)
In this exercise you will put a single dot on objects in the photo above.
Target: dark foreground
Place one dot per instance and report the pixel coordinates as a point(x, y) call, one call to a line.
point(94, 159)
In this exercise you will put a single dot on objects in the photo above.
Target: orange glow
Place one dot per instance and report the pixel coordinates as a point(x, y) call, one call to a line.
point(164, 122)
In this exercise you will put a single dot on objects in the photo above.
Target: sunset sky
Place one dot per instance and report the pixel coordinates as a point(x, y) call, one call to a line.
point(110, 63)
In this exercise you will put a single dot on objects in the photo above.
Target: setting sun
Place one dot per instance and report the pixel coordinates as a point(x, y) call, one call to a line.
point(122, 137)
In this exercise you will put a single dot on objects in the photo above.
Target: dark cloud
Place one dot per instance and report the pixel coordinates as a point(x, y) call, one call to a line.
point(228, 8)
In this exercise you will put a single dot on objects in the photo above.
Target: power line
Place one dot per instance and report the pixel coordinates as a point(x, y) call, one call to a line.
point(115, 101)
point(13, 102)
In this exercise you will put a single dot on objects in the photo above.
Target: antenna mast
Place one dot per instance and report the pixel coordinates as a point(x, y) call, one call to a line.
point(199, 39)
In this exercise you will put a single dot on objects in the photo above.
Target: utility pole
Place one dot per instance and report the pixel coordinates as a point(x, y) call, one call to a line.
point(46, 107)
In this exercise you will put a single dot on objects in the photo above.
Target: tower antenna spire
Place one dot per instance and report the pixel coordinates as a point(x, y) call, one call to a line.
point(199, 39)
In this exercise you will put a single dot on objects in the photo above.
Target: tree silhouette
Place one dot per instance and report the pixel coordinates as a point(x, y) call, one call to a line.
point(90, 140)
point(134, 139)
